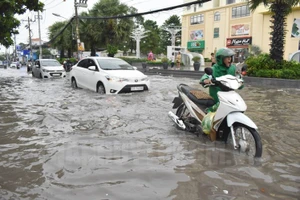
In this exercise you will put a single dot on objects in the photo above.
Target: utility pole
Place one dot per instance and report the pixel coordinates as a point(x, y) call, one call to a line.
point(15, 52)
point(81, 3)
point(138, 34)
point(30, 44)
point(40, 38)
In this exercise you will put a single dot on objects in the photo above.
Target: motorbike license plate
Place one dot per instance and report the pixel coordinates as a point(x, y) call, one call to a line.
point(137, 88)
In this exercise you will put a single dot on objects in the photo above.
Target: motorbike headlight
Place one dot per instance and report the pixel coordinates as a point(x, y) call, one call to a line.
point(116, 79)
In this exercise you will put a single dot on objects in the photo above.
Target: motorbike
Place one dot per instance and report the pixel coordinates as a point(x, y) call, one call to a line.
point(228, 123)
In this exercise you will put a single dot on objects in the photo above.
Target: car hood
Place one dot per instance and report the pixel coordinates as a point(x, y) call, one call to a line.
point(53, 67)
point(125, 73)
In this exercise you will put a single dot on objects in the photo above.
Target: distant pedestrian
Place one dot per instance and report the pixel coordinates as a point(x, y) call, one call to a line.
point(178, 60)
point(172, 60)
point(150, 56)
point(213, 59)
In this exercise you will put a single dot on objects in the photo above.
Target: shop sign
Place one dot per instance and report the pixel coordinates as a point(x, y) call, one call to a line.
point(233, 42)
point(198, 44)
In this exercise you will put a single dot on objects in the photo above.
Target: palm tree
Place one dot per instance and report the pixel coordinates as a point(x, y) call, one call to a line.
point(63, 41)
point(111, 31)
point(279, 9)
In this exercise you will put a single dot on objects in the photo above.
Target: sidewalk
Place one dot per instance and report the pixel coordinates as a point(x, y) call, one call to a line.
point(252, 81)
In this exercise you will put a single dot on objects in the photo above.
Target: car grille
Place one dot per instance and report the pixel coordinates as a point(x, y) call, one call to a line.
point(55, 74)
point(127, 88)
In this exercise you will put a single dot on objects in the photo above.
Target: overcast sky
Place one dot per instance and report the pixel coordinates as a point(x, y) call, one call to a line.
point(66, 9)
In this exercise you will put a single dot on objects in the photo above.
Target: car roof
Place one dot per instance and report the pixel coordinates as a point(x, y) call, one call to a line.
point(101, 58)
point(45, 59)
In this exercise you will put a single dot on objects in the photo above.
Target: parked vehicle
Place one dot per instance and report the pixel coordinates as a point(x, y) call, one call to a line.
point(228, 123)
point(14, 65)
point(107, 75)
point(48, 68)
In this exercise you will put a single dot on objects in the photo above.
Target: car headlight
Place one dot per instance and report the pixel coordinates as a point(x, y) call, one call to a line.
point(145, 79)
point(44, 70)
point(116, 79)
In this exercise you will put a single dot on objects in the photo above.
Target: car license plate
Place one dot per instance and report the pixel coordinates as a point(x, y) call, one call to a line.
point(55, 74)
point(137, 88)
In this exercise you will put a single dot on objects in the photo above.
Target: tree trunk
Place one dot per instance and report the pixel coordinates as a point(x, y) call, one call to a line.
point(278, 33)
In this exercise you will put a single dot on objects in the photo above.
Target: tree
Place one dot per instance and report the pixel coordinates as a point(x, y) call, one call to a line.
point(8, 23)
point(151, 42)
point(279, 9)
point(63, 41)
point(111, 32)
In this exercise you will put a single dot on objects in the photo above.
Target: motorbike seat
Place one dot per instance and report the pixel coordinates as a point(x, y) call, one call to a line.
point(197, 96)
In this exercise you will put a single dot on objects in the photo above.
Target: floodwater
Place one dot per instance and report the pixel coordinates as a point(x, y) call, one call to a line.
point(59, 143)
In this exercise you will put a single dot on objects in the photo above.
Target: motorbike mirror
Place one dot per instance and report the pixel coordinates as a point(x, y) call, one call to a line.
point(208, 71)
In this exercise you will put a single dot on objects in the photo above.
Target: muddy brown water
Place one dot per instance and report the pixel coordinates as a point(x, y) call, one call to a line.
point(59, 143)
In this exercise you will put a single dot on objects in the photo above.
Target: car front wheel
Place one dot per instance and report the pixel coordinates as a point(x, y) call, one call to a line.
point(100, 88)
point(74, 83)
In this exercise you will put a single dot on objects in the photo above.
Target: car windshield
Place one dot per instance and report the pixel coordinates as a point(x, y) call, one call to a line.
point(114, 64)
point(53, 63)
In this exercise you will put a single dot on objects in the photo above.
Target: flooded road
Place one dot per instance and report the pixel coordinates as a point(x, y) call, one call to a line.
point(59, 143)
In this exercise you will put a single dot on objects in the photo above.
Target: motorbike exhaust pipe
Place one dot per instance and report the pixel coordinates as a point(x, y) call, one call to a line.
point(177, 120)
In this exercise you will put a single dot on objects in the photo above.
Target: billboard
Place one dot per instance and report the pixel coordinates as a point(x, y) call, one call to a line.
point(240, 30)
point(196, 35)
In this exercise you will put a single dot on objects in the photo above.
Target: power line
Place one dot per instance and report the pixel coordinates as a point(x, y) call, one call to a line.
point(127, 16)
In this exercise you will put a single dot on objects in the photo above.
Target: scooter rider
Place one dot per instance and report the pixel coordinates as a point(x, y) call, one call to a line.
point(224, 66)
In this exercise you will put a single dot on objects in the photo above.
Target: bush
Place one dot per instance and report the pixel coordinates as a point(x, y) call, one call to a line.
point(196, 59)
point(263, 66)
point(164, 60)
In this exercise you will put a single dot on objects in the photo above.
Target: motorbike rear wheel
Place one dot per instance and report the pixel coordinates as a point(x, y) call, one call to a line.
point(251, 144)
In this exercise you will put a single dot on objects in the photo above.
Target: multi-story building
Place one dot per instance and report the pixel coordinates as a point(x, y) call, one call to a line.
point(229, 23)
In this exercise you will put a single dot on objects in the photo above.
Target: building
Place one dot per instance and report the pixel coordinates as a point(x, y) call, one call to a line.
point(218, 23)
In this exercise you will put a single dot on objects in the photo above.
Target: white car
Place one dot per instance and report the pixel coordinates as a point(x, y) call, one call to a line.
point(14, 65)
point(48, 68)
point(107, 75)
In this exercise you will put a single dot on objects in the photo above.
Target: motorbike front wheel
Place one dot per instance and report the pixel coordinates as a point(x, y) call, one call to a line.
point(248, 140)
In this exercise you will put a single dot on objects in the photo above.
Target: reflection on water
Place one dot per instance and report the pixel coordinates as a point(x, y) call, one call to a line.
point(60, 143)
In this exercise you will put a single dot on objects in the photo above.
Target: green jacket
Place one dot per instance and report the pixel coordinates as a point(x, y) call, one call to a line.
point(218, 70)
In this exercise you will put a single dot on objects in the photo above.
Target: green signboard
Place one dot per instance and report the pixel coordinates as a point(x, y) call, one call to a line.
point(196, 45)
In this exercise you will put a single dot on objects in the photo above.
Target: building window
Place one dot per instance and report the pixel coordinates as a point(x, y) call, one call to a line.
point(217, 16)
point(197, 19)
point(195, 8)
point(240, 11)
point(216, 32)
point(188, 7)
point(230, 1)
point(200, 5)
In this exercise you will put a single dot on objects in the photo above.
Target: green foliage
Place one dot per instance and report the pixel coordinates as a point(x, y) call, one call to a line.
point(112, 50)
point(280, 10)
point(8, 23)
point(133, 60)
point(207, 60)
point(264, 66)
point(196, 59)
point(164, 60)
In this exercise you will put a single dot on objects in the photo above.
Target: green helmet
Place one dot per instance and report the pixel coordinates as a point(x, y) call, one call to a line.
point(222, 53)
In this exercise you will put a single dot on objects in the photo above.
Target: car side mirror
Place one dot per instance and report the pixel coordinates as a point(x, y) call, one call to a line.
point(92, 68)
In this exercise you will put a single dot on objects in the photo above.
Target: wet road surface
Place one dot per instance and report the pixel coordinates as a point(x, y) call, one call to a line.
point(60, 143)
